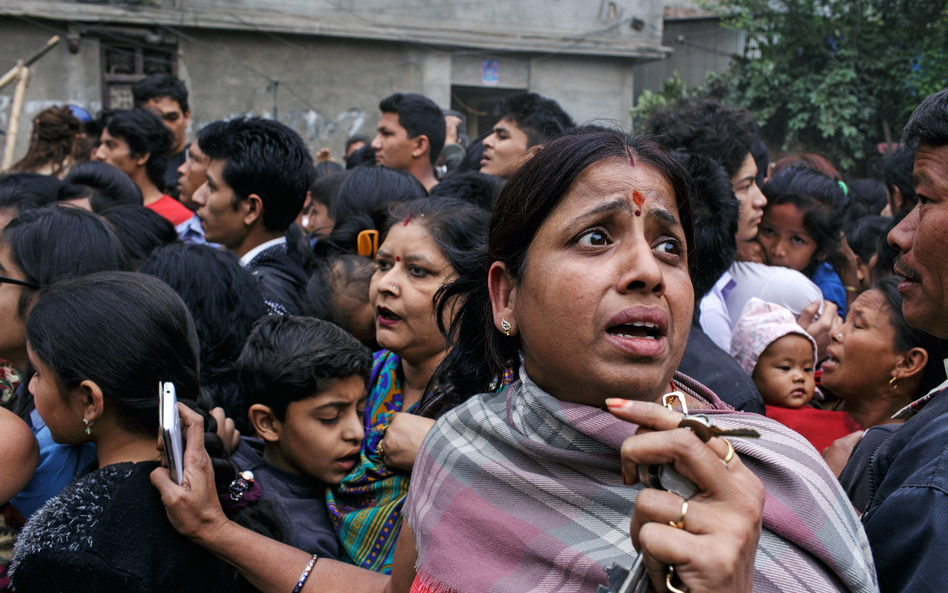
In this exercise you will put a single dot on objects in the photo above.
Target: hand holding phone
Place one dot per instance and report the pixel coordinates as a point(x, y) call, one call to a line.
point(170, 423)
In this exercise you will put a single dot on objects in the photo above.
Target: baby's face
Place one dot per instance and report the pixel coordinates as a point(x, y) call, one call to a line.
point(784, 372)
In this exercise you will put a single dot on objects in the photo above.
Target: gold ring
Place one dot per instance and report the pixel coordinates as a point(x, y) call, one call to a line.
point(379, 449)
point(681, 517)
point(730, 452)
point(669, 575)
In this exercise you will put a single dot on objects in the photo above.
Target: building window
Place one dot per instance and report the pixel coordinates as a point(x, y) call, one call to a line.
point(125, 61)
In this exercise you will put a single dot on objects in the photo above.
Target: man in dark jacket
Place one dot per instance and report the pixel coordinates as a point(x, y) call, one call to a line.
point(257, 177)
point(907, 516)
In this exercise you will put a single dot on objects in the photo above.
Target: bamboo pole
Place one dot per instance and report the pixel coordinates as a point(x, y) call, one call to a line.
point(22, 80)
point(9, 76)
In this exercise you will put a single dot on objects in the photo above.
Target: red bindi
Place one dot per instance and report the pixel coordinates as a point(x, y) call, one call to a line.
point(637, 198)
point(397, 258)
point(631, 158)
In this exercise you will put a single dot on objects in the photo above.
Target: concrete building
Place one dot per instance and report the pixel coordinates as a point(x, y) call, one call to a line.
point(699, 43)
point(321, 66)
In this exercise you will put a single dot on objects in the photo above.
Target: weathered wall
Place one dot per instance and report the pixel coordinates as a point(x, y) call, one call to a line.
point(329, 88)
point(701, 46)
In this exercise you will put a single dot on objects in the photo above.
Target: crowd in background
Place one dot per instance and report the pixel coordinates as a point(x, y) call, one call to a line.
point(422, 366)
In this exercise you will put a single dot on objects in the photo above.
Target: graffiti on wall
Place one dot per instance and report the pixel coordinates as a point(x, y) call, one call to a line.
point(316, 129)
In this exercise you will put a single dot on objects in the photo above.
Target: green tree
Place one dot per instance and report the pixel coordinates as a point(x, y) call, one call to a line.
point(835, 76)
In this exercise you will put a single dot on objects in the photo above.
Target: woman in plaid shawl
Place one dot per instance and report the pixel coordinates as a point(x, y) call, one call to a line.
point(586, 291)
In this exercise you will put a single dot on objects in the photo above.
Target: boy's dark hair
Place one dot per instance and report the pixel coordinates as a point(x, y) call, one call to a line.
point(897, 171)
point(821, 200)
point(266, 158)
point(326, 168)
point(929, 122)
point(288, 359)
point(473, 187)
point(354, 140)
point(325, 189)
point(716, 212)
point(157, 86)
point(105, 185)
point(27, 191)
point(538, 117)
point(361, 156)
point(419, 115)
point(725, 134)
point(225, 303)
point(867, 197)
point(145, 133)
point(863, 234)
point(141, 230)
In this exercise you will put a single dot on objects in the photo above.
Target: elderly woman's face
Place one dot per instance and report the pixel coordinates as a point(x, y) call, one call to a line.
point(862, 355)
point(605, 304)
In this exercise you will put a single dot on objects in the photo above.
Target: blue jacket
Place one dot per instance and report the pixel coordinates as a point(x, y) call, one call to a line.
point(907, 517)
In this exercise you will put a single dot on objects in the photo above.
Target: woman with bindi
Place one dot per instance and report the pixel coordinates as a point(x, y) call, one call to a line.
point(535, 487)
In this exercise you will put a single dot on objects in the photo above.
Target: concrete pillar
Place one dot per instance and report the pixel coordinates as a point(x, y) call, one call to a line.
point(436, 78)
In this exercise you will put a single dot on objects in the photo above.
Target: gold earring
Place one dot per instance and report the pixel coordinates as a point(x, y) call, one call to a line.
point(505, 325)
point(892, 384)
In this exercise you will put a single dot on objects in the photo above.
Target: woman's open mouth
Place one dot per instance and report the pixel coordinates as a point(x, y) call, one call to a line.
point(639, 331)
point(385, 318)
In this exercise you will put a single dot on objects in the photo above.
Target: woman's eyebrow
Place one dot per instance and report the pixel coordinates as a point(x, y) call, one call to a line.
point(610, 208)
point(664, 216)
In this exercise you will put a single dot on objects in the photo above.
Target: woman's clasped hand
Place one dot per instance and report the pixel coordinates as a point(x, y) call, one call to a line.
point(712, 541)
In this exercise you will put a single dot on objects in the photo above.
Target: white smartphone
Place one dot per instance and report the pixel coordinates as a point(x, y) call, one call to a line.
point(170, 423)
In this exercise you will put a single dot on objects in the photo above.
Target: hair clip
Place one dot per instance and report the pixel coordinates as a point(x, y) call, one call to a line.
point(242, 492)
point(240, 485)
point(368, 243)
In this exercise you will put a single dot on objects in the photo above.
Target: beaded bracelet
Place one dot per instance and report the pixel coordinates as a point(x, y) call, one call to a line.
point(305, 575)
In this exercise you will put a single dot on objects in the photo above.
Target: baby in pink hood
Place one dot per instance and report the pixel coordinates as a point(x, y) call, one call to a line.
point(777, 353)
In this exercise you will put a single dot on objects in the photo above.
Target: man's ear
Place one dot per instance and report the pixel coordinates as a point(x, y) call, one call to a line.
point(253, 209)
point(265, 423)
point(420, 146)
point(142, 158)
point(503, 297)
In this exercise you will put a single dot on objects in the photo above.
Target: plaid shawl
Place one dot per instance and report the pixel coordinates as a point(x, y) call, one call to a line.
point(521, 492)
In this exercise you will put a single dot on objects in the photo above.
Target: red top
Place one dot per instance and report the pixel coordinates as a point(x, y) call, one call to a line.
point(820, 427)
point(173, 210)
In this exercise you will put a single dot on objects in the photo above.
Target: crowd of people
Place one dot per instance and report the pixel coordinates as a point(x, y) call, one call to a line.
point(451, 365)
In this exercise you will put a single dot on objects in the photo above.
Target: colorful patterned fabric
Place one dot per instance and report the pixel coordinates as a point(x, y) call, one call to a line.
point(366, 507)
point(522, 492)
point(10, 381)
